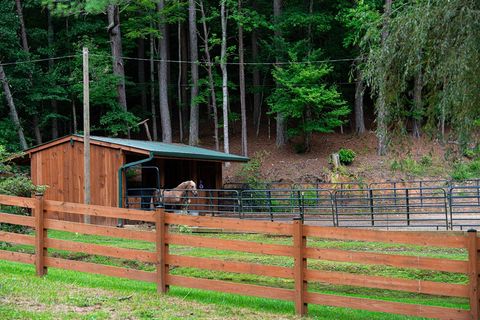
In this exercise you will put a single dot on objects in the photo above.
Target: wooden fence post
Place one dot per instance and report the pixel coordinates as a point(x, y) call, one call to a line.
point(40, 234)
point(299, 244)
point(162, 250)
point(473, 273)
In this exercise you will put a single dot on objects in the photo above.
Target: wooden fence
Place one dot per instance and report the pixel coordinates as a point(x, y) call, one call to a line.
point(300, 273)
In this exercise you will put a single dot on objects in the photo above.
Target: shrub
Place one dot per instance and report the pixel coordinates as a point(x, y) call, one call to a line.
point(346, 156)
point(426, 161)
point(16, 183)
point(466, 170)
point(250, 172)
point(412, 167)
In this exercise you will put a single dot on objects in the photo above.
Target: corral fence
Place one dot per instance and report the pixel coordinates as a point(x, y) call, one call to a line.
point(425, 204)
point(300, 252)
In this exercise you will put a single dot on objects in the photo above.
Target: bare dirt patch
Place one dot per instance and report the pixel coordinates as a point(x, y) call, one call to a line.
point(283, 164)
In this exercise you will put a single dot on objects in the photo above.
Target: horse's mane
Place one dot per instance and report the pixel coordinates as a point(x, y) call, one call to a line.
point(184, 184)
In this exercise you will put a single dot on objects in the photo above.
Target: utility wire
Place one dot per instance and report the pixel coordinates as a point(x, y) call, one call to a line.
point(38, 60)
point(245, 63)
point(180, 61)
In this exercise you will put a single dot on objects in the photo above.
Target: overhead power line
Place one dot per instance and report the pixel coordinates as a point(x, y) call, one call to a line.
point(180, 61)
point(245, 63)
point(39, 60)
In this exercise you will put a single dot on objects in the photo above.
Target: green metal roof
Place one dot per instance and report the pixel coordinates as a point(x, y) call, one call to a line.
point(173, 150)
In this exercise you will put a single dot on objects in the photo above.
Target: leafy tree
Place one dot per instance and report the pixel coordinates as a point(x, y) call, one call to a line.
point(439, 40)
point(306, 100)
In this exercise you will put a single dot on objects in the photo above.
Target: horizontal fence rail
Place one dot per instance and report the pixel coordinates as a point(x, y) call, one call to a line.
point(300, 250)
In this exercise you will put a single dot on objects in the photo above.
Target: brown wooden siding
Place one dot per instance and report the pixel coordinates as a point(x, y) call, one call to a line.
point(60, 167)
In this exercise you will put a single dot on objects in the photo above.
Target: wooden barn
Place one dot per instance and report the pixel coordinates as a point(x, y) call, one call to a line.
point(121, 169)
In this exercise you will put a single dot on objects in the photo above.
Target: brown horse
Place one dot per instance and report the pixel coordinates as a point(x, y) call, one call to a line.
point(179, 196)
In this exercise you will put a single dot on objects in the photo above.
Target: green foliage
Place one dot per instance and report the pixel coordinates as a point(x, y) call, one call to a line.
point(439, 40)
point(362, 21)
point(346, 156)
point(426, 161)
point(305, 99)
point(184, 229)
point(426, 166)
point(119, 122)
point(250, 172)
point(8, 135)
point(16, 183)
point(466, 170)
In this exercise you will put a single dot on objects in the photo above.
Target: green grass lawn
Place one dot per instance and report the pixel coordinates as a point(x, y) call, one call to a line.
point(67, 294)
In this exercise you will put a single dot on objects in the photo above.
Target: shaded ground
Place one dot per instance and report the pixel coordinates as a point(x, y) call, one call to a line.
point(283, 164)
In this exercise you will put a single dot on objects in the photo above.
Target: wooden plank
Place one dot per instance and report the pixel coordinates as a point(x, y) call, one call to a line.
point(233, 245)
point(40, 234)
point(231, 287)
point(300, 263)
point(92, 141)
point(268, 227)
point(162, 250)
point(230, 266)
point(17, 219)
point(51, 144)
point(474, 295)
point(17, 256)
point(17, 201)
point(17, 238)
point(387, 306)
point(101, 250)
point(103, 211)
point(391, 260)
point(100, 269)
point(99, 230)
point(407, 285)
point(448, 239)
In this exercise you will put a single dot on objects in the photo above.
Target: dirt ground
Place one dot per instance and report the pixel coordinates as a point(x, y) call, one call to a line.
point(285, 165)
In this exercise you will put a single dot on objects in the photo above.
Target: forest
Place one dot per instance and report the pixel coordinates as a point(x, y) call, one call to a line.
point(202, 70)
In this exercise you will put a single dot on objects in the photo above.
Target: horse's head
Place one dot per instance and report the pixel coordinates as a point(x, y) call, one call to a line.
point(192, 186)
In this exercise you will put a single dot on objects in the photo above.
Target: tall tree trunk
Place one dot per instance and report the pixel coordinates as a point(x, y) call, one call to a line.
point(257, 107)
point(280, 130)
point(74, 116)
point(153, 108)
point(211, 83)
point(417, 104)
point(13, 109)
point(382, 112)
point(36, 130)
point(116, 46)
point(23, 31)
point(163, 77)
point(26, 48)
point(194, 112)
point(223, 67)
point(50, 38)
point(180, 88)
point(358, 107)
point(185, 83)
point(241, 68)
point(308, 133)
point(141, 72)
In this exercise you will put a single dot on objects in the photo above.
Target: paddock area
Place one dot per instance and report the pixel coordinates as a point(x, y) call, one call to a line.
point(124, 172)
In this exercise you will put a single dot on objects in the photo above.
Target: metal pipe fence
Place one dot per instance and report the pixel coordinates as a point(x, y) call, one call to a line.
point(215, 202)
point(431, 204)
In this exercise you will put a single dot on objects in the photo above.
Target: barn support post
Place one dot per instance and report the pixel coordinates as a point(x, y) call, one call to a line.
point(121, 170)
point(40, 234)
point(300, 263)
point(161, 229)
point(474, 295)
